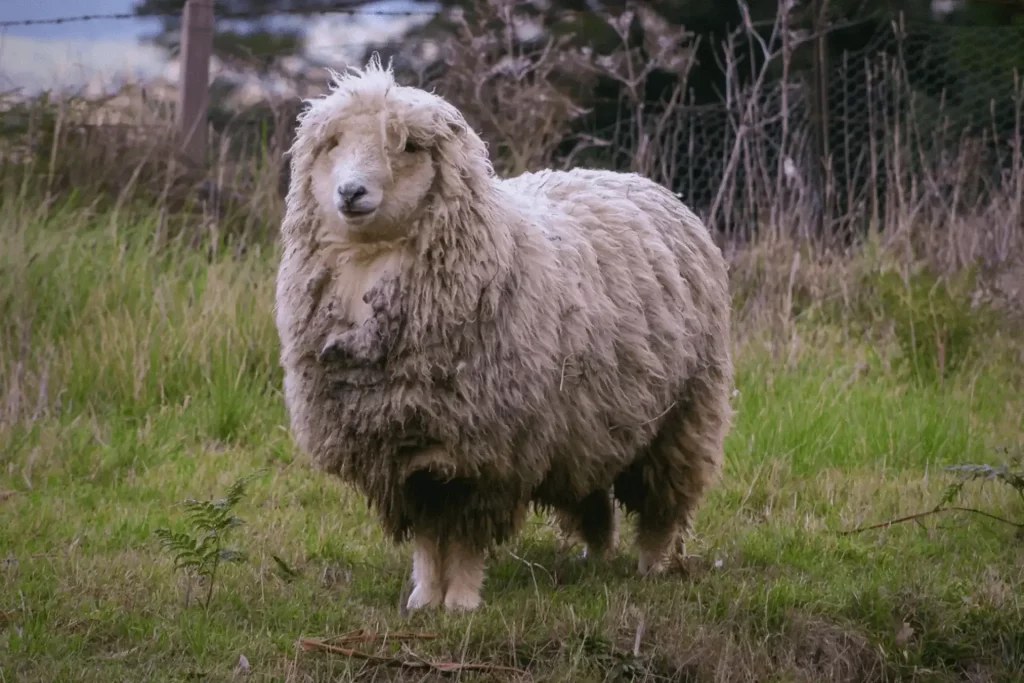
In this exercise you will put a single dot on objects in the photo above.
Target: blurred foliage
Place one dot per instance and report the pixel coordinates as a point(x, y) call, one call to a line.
point(963, 64)
point(936, 319)
point(958, 70)
point(254, 40)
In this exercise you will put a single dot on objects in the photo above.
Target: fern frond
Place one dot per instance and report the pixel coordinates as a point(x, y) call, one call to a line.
point(211, 521)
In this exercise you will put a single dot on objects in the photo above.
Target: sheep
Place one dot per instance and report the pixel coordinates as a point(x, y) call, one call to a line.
point(460, 347)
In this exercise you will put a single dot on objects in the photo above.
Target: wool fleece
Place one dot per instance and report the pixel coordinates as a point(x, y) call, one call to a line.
point(458, 346)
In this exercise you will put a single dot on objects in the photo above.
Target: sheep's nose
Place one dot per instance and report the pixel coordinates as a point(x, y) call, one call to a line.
point(350, 192)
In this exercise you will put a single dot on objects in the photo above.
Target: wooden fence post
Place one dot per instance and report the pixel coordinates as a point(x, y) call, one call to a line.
point(193, 90)
point(820, 113)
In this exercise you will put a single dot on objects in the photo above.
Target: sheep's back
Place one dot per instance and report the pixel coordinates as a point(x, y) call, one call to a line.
point(614, 297)
point(642, 297)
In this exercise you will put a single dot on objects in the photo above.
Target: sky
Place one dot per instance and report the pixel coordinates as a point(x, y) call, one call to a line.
point(34, 58)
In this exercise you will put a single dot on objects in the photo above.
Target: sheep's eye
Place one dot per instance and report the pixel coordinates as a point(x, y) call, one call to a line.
point(411, 147)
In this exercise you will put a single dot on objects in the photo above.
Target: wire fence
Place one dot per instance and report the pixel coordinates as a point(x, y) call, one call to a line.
point(817, 133)
point(340, 9)
point(936, 92)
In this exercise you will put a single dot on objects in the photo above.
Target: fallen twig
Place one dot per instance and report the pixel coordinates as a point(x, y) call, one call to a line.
point(418, 662)
point(928, 513)
point(312, 645)
point(362, 635)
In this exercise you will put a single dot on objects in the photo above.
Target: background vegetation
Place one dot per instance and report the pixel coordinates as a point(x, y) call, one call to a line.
point(877, 341)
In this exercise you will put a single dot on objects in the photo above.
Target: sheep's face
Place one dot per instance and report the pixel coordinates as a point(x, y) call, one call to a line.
point(371, 177)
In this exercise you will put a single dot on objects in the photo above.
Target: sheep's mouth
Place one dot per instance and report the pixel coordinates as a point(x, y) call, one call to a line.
point(356, 212)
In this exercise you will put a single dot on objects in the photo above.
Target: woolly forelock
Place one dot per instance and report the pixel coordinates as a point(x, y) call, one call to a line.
point(549, 327)
point(402, 110)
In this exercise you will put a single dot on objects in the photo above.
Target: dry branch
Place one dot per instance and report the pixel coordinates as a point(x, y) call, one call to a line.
point(415, 662)
point(929, 513)
point(362, 635)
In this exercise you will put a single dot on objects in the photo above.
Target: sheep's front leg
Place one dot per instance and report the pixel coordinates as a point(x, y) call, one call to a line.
point(452, 574)
point(427, 574)
point(464, 577)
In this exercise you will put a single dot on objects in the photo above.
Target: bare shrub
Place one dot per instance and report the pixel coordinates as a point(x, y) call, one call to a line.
point(917, 187)
point(119, 152)
point(648, 140)
point(515, 89)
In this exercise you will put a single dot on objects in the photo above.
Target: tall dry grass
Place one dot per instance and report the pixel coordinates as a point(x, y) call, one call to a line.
point(917, 193)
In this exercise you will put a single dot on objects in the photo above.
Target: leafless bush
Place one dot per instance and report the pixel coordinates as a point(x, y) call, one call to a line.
point(648, 140)
point(120, 151)
point(515, 89)
point(916, 186)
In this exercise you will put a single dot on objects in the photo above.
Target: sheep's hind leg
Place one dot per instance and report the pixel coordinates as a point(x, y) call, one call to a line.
point(665, 486)
point(427, 574)
point(593, 522)
point(463, 576)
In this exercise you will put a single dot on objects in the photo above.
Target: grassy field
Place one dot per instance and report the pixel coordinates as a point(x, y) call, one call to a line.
point(132, 378)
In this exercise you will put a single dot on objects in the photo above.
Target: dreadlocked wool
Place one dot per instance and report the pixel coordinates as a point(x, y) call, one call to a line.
point(459, 346)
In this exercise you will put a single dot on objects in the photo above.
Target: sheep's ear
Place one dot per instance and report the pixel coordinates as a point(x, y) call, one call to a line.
point(454, 121)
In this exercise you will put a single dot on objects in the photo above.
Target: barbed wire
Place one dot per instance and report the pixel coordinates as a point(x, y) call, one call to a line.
point(66, 20)
point(121, 16)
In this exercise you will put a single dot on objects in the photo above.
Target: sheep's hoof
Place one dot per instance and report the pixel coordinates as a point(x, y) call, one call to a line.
point(462, 601)
point(601, 553)
point(650, 565)
point(423, 596)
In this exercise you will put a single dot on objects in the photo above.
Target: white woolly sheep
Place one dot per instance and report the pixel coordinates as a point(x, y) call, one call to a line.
point(459, 346)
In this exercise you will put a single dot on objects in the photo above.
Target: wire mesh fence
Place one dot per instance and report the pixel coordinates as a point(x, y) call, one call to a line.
point(924, 91)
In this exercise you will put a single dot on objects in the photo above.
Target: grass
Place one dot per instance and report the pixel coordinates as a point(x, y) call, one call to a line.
point(133, 378)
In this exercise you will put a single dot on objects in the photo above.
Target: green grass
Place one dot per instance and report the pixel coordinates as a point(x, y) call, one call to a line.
point(133, 378)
